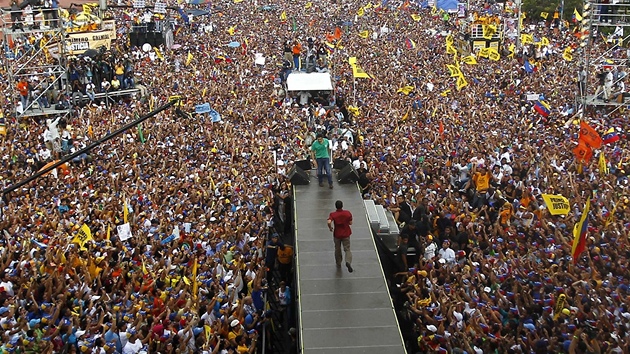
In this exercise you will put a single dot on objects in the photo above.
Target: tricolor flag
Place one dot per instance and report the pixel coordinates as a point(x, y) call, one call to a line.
point(579, 233)
point(410, 43)
point(542, 108)
point(610, 137)
point(529, 68)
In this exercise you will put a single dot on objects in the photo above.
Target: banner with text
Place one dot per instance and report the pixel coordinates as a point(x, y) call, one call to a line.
point(557, 204)
point(78, 43)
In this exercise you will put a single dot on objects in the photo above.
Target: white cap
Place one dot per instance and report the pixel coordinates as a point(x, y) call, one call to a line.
point(432, 328)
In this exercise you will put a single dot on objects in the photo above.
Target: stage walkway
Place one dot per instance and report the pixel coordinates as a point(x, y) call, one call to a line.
point(340, 312)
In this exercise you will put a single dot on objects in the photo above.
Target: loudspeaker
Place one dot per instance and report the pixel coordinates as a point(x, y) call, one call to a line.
point(348, 175)
point(339, 164)
point(297, 176)
point(134, 40)
point(304, 164)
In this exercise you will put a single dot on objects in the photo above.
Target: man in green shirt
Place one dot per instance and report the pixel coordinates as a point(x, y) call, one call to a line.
point(321, 154)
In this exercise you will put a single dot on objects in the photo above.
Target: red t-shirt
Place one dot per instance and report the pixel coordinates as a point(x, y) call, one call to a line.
point(342, 219)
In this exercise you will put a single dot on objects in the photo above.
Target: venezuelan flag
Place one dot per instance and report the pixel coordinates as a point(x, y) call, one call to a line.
point(410, 43)
point(542, 108)
point(579, 233)
point(611, 136)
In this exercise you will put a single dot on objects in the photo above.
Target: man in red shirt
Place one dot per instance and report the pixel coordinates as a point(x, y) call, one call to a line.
point(339, 222)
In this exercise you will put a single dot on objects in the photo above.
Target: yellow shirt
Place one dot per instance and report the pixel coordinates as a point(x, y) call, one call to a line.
point(482, 181)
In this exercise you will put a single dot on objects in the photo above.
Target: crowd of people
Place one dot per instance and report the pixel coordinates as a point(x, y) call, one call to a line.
point(161, 240)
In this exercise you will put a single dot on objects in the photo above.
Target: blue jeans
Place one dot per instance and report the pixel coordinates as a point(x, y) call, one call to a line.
point(324, 164)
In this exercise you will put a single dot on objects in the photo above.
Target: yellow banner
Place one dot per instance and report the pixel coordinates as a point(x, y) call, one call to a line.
point(78, 43)
point(556, 204)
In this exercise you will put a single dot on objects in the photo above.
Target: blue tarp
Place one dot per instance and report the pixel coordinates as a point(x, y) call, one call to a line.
point(447, 5)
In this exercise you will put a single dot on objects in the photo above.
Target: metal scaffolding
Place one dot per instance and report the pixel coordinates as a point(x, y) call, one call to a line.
point(33, 52)
point(602, 72)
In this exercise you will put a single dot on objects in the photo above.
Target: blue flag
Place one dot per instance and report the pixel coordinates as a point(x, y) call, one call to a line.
point(216, 117)
point(183, 15)
point(202, 108)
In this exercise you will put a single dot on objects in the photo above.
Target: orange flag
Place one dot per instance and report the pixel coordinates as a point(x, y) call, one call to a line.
point(582, 152)
point(337, 33)
point(441, 128)
point(589, 136)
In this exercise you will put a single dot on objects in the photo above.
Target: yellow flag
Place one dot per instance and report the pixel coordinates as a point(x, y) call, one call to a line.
point(415, 17)
point(144, 268)
point(443, 94)
point(308, 5)
point(86, 9)
point(556, 204)
point(484, 52)
point(237, 1)
point(454, 70)
point(471, 60)
point(512, 50)
point(489, 31)
point(125, 212)
point(354, 110)
point(450, 49)
point(194, 276)
point(208, 331)
point(359, 73)
point(186, 280)
point(577, 15)
point(611, 216)
point(361, 12)
point(544, 15)
point(566, 55)
point(84, 235)
point(283, 16)
point(406, 90)
point(449, 40)
point(232, 29)
point(109, 232)
point(603, 166)
point(352, 60)
point(158, 53)
point(544, 41)
point(368, 6)
point(461, 82)
point(364, 34)
point(527, 38)
point(493, 54)
point(189, 58)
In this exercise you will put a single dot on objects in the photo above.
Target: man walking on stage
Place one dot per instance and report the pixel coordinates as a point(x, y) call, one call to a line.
point(339, 222)
point(320, 153)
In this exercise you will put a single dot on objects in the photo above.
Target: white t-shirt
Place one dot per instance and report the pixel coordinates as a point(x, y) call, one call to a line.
point(447, 254)
point(303, 96)
point(132, 348)
point(8, 287)
point(123, 338)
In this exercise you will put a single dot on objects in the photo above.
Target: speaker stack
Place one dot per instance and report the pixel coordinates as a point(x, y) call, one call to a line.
point(348, 175)
point(297, 176)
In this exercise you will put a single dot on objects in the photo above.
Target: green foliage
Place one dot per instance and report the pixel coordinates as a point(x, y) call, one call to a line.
point(533, 8)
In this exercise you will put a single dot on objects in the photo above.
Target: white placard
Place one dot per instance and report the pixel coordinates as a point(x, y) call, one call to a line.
point(139, 4)
point(533, 96)
point(124, 231)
